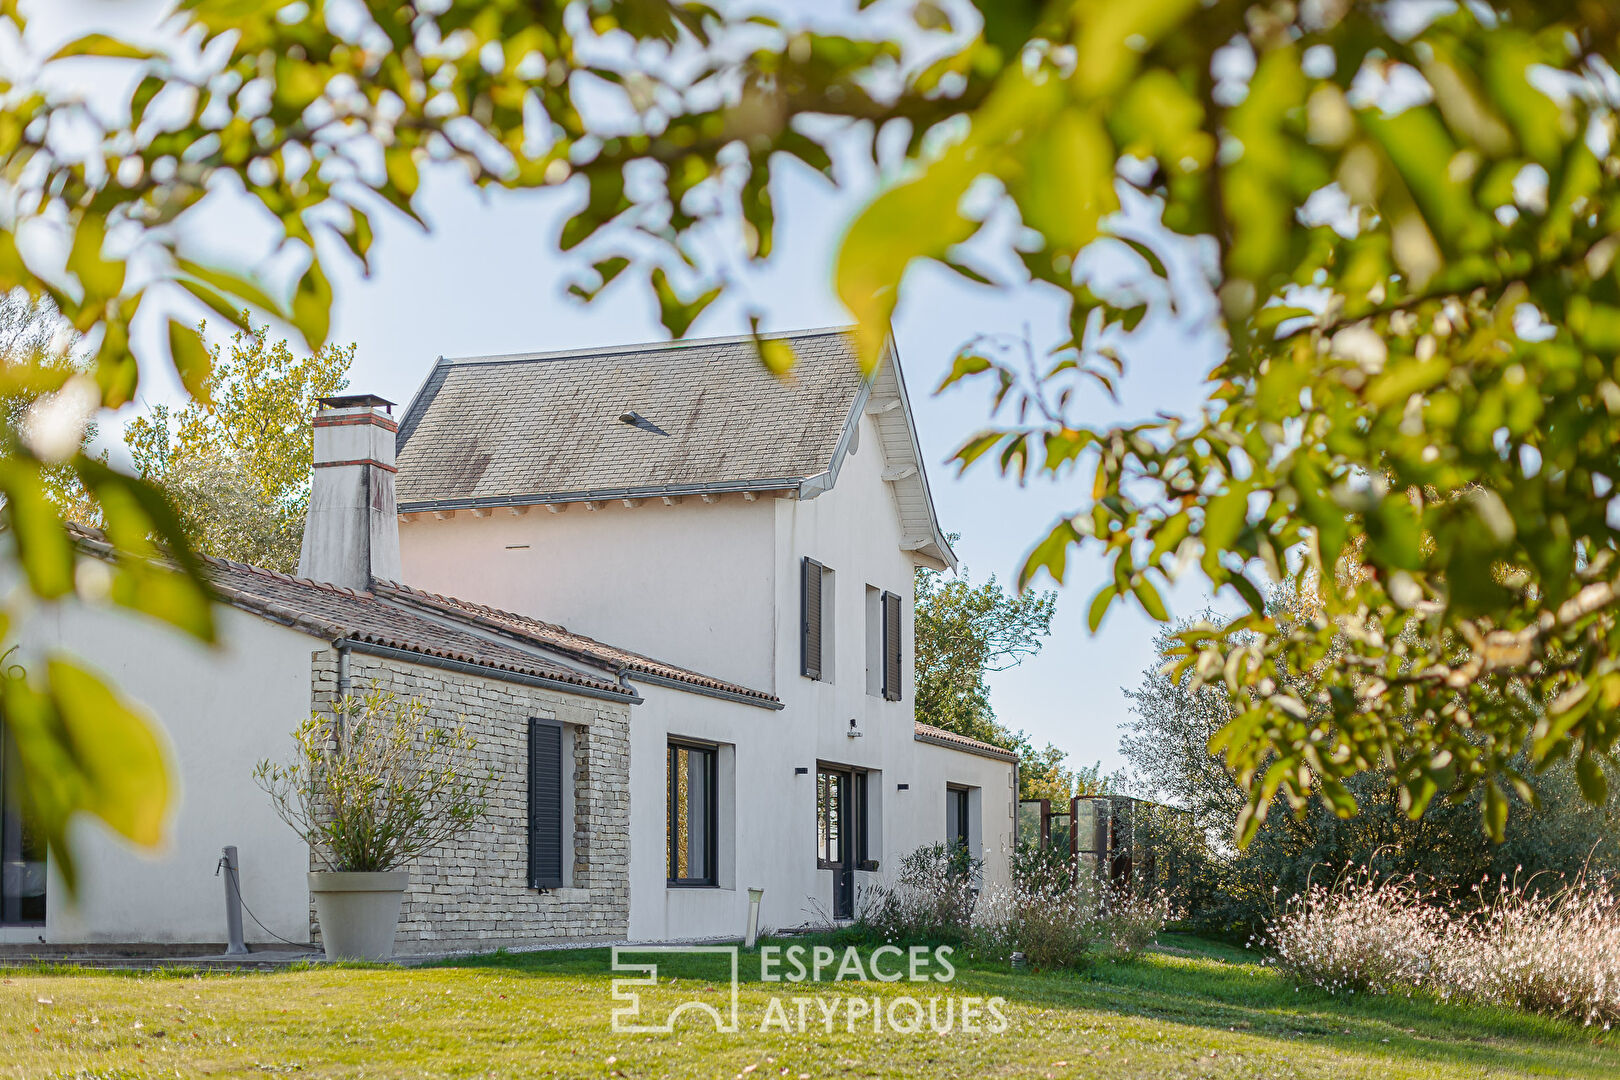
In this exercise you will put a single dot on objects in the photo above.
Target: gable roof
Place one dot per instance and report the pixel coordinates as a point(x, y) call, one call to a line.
point(401, 623)
point(667, 418)
point(560, 638)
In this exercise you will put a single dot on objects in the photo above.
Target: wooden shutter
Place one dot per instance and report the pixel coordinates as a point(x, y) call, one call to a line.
point(545, 805)
point(810, 619)
point(891, 646)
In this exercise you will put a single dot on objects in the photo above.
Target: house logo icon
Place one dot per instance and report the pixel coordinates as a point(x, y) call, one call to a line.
point(661, 1016)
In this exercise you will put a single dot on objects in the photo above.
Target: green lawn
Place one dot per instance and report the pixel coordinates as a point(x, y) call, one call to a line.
point(1192, 1010)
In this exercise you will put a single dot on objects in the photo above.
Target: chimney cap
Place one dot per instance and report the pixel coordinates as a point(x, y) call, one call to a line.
point(355, 401)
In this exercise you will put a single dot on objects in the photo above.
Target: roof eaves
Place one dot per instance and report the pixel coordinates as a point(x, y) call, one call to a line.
point(927, 733)
point(720, 487)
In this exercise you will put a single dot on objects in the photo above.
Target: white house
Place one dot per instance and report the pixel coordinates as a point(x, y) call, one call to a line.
point(748, 547)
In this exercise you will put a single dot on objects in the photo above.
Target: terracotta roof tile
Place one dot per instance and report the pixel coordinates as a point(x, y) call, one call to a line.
point(930, 734)
point(333, 612)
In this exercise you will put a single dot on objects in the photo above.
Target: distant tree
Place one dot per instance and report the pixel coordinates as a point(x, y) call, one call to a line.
point(965, 630)
point(1166, 745)
point(236, 464)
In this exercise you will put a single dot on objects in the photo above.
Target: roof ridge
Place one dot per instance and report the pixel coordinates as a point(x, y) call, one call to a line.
point(639, 346)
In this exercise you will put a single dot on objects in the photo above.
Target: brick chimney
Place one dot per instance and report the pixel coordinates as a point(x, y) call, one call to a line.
point(351, 535)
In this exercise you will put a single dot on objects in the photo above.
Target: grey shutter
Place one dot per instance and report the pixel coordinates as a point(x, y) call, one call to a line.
point(810, 617)
point(545, 805)
point(891, 646)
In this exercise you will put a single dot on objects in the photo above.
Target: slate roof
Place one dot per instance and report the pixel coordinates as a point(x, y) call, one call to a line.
point(928, 733)
point(544, 427)
point(560, 638)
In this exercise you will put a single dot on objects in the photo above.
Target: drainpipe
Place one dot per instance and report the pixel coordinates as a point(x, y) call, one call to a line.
point(343, 672)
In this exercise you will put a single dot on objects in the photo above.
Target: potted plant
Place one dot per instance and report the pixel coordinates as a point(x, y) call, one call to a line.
point(370, 788)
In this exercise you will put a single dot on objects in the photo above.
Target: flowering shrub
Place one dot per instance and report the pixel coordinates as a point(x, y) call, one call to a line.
point(1555, 952)
point(1055, 918)
point(931, 899)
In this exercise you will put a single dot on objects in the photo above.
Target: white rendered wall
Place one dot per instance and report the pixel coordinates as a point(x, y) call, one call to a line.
point(715, 587)
point(223, 709)
point(690, 583)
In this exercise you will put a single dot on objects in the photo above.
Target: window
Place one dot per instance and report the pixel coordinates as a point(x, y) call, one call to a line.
point(546, 791)
point(816, 595)
point(891, 646)
point(883, 651)
point(831, 810)
point(691, 824)
point(957, 823)
point(841, 831)
point(22, 852)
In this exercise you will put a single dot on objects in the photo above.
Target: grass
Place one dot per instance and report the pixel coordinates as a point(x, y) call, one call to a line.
point(1190, 1009)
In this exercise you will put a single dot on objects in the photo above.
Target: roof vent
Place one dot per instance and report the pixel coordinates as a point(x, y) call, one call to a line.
point(635, 419)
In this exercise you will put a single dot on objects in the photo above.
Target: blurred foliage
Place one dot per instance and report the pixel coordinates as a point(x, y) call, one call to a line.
point(238, 466)
point(1225, 889)
point(1419, 382)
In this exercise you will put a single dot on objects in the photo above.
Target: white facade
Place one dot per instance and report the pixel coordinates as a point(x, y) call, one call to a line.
point(714, 586)
point(709, 582)
point(223, 708)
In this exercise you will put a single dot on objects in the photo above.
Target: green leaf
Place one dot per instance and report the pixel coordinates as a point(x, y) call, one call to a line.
point(191, 360)
point(1069, 184)
point(965, 364)
point(312, 306)
point(1099, 606)
point(1495, 812)
point(914, 220)
point(1149, 598)
point(676, 314)
point(1051, 554)
point(117, 750)
point(101, 278)
point(42, 543)
point(775, 353)
point(102, 45)
point(1594, 784)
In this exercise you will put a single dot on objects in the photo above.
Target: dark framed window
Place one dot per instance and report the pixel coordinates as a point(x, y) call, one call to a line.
point(546, 779)
point(692, 824)
point(893, 669)
point(832, 817)
point(22, 850)
point(812, 625)
point(957, 823)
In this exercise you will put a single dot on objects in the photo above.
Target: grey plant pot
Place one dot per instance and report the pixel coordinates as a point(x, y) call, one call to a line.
point(358, 911)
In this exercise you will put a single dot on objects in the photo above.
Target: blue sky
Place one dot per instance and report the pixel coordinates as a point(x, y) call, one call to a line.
point(487, 278)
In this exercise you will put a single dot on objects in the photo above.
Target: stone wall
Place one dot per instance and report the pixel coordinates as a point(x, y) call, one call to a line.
point(474, 895)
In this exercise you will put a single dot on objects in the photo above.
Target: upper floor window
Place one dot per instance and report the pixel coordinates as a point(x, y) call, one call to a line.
point(816, 620)
point(884, 669)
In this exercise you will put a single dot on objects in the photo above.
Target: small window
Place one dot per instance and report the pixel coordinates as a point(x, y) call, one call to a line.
point(874, 641)
point(691, 824)
point(892, 652)
point(958, 831)
point(817, 621)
